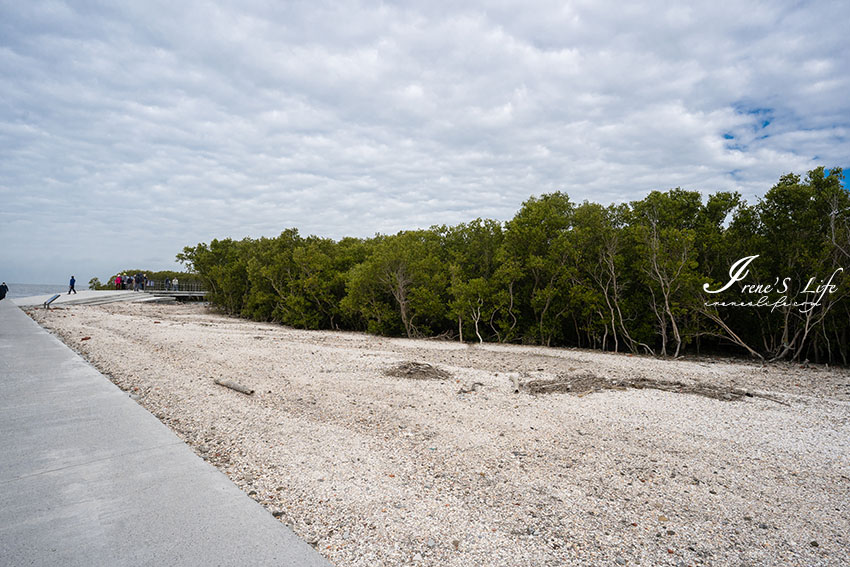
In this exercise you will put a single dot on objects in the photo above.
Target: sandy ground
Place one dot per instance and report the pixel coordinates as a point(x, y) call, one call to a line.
point(380, 470)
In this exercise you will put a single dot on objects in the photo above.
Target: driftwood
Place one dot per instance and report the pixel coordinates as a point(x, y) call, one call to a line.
point(471, 388)
point(234, 386)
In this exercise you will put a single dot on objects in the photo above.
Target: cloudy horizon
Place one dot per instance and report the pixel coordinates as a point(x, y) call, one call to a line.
point(130, 130)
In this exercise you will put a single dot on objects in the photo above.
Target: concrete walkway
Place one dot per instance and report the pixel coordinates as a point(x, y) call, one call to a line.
point(88, 477)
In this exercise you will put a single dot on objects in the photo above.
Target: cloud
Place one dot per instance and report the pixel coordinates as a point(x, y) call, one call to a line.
point(132, 129)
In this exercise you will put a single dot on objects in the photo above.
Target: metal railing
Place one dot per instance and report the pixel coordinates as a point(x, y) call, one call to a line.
point(161, 285)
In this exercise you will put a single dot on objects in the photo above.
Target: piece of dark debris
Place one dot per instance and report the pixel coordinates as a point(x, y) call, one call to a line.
point(585, 382)
point(417, 371)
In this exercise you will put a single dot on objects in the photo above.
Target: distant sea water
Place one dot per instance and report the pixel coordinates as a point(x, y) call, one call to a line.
point(29, 290)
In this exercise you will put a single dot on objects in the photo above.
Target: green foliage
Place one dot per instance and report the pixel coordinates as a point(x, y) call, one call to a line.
point(222, 268)
point(537, 252)
point(626, 277)
point(403, 280)
point(470, 251)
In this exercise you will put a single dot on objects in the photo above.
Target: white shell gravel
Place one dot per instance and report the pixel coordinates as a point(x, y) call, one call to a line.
point(376, 470)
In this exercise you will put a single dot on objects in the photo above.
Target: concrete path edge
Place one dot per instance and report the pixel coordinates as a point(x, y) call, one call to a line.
point(89, 477)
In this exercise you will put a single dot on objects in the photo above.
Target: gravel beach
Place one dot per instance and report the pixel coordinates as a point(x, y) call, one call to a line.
point(378, 461)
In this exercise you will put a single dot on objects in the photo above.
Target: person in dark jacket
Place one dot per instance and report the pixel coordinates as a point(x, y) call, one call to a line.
point(71, 285)
point(4, 289)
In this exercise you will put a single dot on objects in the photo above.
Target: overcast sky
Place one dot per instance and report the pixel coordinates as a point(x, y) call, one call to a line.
point(131, 129)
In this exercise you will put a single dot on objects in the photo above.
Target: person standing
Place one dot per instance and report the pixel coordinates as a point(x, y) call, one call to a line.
point(174, 284)
point(4, 289)
point(71, 285)
point(118, 281)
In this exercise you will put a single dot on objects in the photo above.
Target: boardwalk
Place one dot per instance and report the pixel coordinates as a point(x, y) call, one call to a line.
point(179, 294)
point(101, 297)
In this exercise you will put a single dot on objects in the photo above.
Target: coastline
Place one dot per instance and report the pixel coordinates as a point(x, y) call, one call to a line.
point(19, 290)
point(374, 469)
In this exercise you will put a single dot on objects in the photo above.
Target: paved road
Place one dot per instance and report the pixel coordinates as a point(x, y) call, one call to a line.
point(88, 477)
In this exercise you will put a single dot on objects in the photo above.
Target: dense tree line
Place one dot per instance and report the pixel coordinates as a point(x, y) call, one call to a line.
point(638, 277)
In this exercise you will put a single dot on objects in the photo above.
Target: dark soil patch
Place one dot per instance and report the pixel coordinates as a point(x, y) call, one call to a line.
point(583, 383)
point(417, 371)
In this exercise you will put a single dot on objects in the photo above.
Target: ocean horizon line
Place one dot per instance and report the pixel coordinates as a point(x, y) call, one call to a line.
point(17, 290)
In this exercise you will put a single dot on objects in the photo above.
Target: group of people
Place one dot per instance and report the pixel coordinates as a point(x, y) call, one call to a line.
point(139, 282)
